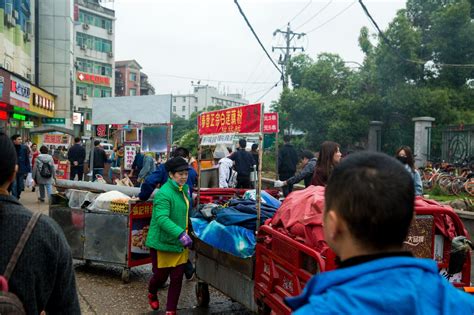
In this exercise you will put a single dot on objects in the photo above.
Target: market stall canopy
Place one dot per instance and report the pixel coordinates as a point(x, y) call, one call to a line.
point(52, 128)
point(147, 109)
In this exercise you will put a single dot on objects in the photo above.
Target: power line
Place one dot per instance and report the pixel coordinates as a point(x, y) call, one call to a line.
point(274, 86)
point(395, 49)
point(331, 19)
point(255, 34)
point(200, 79)
point(315, 15)
point(301, 11)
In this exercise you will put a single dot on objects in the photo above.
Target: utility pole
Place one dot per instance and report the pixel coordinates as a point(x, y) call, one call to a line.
point(289, 36)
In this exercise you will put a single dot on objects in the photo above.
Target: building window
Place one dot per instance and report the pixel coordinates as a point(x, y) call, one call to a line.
point(94, 43)
point(183, 109)
point(184, 98)
point(133, 76)
point(195, 108)
point(183, 116)
point(96, 20)
point(174, 109)
point(174, 99)
point(133, 92)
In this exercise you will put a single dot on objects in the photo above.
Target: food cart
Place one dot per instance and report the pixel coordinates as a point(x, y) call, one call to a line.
point(229, 274)
point(114, 237)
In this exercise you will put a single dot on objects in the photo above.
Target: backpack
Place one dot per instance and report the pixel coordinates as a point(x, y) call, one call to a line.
point(46, 171)
point(9, 302)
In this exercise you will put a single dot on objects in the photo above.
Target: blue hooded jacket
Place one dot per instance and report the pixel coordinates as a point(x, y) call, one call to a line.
point(394, 285)
point(160, 176)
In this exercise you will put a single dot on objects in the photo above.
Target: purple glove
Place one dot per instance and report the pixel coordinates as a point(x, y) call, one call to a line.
point(185, 239)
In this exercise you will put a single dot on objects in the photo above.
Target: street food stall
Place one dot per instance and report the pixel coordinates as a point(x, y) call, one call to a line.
point(110, 231)
point(227, 273)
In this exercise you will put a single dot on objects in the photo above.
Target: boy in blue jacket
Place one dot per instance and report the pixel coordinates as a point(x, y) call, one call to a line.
point(369, 207)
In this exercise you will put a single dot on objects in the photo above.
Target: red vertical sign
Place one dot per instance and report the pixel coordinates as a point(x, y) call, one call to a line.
point(270, 123)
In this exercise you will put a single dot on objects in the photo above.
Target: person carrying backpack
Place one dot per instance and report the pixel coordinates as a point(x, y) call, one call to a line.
point(42, 279)
point(44, 173)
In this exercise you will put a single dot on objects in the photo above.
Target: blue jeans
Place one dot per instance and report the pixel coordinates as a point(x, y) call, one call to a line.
point(49, 188)
point(18, 185)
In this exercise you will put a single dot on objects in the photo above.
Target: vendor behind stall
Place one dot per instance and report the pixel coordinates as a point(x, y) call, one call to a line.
point(168, 237)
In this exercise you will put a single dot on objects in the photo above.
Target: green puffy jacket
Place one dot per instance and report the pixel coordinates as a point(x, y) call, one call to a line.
point(169, 218)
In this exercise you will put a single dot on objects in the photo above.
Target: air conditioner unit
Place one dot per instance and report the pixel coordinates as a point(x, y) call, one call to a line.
point(85, 97)
point(110, 54)
point(85, 26)
point(110, 31)
point(10, 21)
point(83, 46)
point(27, 37)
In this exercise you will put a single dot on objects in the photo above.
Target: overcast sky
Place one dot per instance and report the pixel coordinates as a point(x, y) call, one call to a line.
point(208, 40)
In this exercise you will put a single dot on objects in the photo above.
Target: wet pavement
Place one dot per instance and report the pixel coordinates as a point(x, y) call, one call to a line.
point(101, 290)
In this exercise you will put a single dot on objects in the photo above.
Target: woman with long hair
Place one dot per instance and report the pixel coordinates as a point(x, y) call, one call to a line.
point(329, 156)
point(405, 156)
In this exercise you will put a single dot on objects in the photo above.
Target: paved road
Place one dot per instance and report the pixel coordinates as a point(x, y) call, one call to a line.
point(101, 290)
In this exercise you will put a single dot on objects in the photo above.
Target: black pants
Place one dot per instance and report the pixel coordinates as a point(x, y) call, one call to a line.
point(243, 181)
point(79, 170)
point(287, 188)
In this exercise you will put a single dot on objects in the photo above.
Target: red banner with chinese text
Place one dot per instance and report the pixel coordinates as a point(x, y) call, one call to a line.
point(242, 119)
point(270, 123)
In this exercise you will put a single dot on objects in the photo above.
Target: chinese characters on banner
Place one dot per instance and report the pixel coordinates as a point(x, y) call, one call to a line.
point(217, 139)
point(270, 123)
point(242, 119)
point(49, 139)
point(130, 152)
point(101, 131)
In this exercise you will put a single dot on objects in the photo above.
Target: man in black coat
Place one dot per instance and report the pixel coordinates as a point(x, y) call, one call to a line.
point(76, 156)
point(287, 161)
point(244, 163)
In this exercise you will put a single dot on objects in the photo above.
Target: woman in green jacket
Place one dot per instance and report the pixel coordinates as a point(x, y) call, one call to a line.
point(167, 238)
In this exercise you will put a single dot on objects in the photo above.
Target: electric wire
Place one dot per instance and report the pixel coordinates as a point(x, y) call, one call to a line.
point(315, 15)
point(273, 86)
point(397, 53)
point(301, 11)
point(256, 36)
point(333, 18)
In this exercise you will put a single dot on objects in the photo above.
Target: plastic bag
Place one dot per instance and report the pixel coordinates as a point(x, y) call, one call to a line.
point(80, 198)
point(103, 201)
point(265, 197)
point(29, 180)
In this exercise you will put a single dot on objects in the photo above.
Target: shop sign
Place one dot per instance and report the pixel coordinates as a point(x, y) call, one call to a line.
point(14, 124)
point(270, 123)
point(76, 118)
point(43, 102)
point(18, 116)
point(88, 125)
point(141, 209)
point(242, 119)
point(28, 124)
point(92, 78)
point(3, 115)
point(53, 121)
point(19, 92)
point(217, 139)
point(101, 131)
point(130, 153)
point(50, 138)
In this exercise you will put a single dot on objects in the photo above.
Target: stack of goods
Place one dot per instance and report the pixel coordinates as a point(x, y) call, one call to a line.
point(119, 205)
point(111, 201)
point(230, 227)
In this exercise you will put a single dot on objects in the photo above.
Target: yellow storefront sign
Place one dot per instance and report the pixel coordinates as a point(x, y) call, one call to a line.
point(42, 102)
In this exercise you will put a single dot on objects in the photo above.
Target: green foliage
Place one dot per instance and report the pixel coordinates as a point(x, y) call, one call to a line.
point(333, 102)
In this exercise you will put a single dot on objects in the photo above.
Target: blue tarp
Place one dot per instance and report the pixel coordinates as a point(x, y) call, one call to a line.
point(235, 240)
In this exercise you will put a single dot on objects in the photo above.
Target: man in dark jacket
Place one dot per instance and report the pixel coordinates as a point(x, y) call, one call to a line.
point(76, 156)
point(287, 160)
point(99, 160)
point(24, 166)
point(308, 161)
point(244, 163)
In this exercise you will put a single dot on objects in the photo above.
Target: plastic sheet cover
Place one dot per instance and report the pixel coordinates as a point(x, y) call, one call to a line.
point(234, 240)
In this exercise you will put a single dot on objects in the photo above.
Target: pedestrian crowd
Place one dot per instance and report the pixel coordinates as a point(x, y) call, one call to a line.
point(374, 276)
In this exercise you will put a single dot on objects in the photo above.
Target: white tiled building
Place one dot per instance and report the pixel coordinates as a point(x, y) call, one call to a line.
point(204, 96)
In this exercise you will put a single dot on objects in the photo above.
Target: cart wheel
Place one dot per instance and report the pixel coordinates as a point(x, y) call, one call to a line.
point(202, 294)
point(126, 275)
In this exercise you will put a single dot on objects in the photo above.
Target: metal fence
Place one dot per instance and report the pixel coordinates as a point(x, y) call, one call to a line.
point(457, 143)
